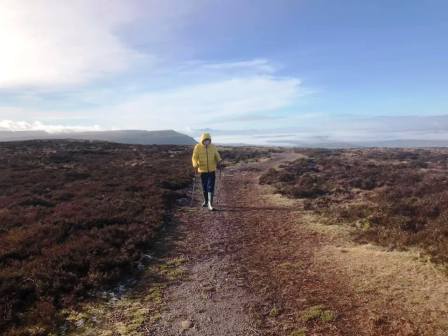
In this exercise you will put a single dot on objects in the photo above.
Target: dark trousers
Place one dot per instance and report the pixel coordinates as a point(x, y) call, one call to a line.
point(208, 182)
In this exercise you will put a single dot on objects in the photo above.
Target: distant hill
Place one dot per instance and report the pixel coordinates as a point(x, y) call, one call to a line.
point(138, 137)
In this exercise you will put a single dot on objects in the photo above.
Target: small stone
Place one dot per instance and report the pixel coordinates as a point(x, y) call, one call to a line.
point(186, 324)
point(79, 323)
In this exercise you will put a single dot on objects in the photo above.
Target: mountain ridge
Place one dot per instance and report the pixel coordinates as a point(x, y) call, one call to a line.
point(137, 137)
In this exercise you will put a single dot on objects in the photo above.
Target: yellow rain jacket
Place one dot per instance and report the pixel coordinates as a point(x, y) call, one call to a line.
point(206, 158)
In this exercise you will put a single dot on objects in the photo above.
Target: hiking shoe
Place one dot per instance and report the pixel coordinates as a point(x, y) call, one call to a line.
point(210, 201)
point(205, 203)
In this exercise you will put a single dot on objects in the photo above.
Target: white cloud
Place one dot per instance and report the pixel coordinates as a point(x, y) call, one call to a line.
point(201, 95)
point(211, 103)
point(208, 95)
point(54, 44)
point(10, 125)
point(49, 43)
point(257, 65)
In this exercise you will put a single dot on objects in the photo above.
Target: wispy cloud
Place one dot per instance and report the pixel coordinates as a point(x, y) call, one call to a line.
point(49, 46)
point(199, 94)
point(207, 103)
point(10, 125)
point(256, 65)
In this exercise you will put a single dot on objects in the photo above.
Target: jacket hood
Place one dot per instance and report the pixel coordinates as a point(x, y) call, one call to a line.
point(205, 136)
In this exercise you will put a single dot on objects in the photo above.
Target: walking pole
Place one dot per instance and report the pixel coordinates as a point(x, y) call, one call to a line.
point(218, 189)
point(192, 193)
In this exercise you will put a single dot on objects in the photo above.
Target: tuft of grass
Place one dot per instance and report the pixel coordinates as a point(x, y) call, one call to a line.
point(363, 224)
point(176, 262)
point(155, 294)
point(274, 312)
point(327, 316)
point(318, 312)
point(298, 332)
point(171, 268)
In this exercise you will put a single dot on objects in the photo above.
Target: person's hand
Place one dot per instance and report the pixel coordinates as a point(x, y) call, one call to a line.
point(196, 170)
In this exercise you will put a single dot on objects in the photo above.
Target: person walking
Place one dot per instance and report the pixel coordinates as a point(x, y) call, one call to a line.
point(206, 160)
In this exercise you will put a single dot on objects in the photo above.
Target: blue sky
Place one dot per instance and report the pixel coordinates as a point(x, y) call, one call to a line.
point(251, 71)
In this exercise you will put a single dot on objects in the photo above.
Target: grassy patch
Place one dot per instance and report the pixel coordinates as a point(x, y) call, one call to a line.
point(172, 268)
point(155, 294)
point(318, 312)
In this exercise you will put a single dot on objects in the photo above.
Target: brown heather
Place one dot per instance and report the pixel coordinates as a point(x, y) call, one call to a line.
point(76, 217)
point(396, 197)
